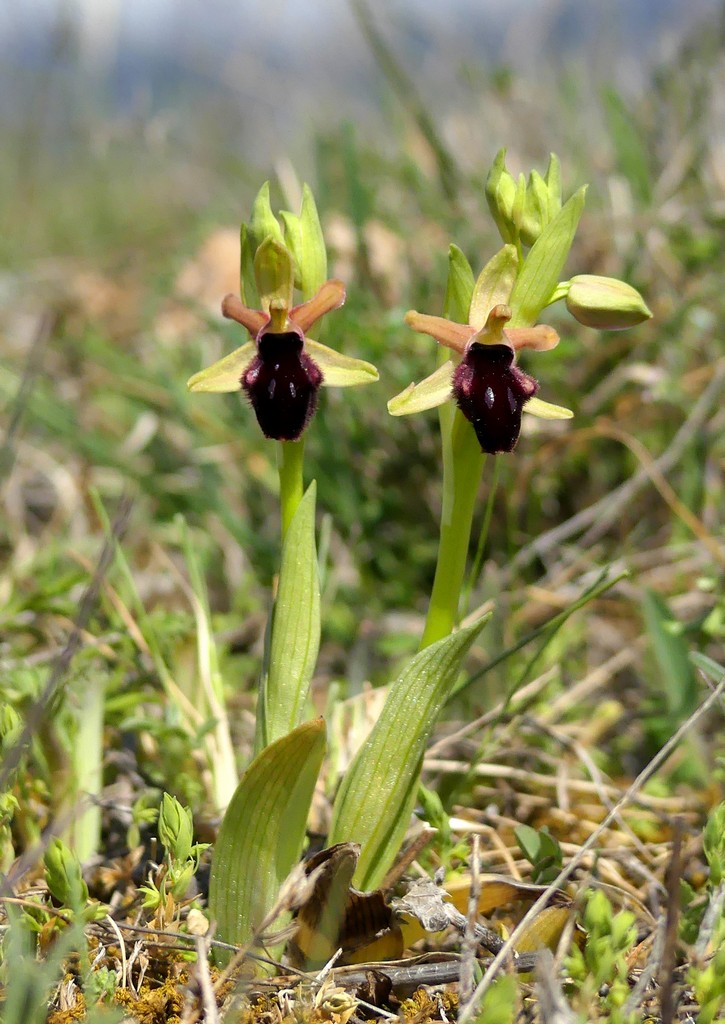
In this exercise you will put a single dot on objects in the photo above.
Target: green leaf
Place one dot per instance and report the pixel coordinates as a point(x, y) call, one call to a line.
point(679, 682)
point(427, 394)
point(262, 833)
point(543, 265)
point(632, 155)
point(494, 285)
point(709, 666)
point(377, 795)
point(459, 286)
point(295, 638)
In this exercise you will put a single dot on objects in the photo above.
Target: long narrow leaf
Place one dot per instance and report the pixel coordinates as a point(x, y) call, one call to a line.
point(377, 796)
point(262, 833)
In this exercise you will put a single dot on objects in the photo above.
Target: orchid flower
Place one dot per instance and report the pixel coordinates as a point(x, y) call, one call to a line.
point(488, 387)
point(281, 369)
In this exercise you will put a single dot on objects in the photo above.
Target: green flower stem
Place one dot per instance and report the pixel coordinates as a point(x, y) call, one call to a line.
point(462, 468)
point(560, 292)
point(290, 460)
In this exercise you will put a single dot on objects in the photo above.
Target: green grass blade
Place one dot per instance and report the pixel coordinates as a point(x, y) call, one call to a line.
point(679, 683)
point(631, 152)
point(261, 836)
point(295, 638)
point(375, 800)
point(542, 267)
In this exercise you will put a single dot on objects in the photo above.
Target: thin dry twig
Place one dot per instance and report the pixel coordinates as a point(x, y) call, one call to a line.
point(665, 975)
point(468, 945)
point(553, 1006)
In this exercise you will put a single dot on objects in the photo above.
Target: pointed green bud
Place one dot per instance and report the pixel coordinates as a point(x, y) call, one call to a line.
point(459, 286)
point(605, 303)
point(304, 238)
point(63, 876)
point(181, 880)
point(553, 185)
point(500, 196)
point(263, 223)
point(175, 828)
point(247, 288)
point(517, 214)
point(274, 273)
point(536, 209)
point(623, 931)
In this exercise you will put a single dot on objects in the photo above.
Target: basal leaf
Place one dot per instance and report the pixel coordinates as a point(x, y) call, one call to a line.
point(377, 795)
point(262, 833)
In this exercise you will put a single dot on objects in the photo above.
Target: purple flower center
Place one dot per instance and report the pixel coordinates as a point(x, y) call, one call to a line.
point(491, 392)
point(282, 382)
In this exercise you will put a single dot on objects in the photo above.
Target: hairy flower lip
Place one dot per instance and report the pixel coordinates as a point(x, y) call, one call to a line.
point(491, 392)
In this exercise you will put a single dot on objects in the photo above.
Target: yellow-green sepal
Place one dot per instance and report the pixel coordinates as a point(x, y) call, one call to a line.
point(546, 411)
point(494, 285)
point(427, 394)
point(338, 370)
point(226, 374)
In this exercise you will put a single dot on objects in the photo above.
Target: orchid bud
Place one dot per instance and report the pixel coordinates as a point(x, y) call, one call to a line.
point(605, 303)
point(63, 876)
point(536, 209)
point(175, 828)
point(500, 196)
point(263, 223)
point(304, 239)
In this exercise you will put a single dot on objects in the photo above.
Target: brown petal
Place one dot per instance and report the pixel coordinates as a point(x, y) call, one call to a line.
point(253, 319)
point(330, 296)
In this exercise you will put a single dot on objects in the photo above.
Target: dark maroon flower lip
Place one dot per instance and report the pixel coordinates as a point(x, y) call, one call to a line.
point(491, 393)
point(282, 383)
